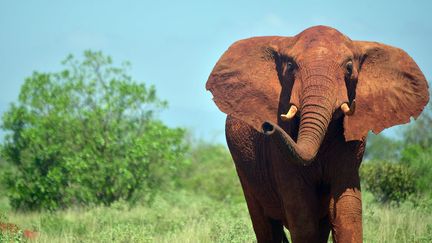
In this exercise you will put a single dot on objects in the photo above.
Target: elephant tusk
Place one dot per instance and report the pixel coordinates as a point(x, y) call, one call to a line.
point(290, 114)
point(348, 110)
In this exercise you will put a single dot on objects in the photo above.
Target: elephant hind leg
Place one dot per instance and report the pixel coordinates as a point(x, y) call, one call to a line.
point(324, 229)
point(266, 229)
point(278, 232)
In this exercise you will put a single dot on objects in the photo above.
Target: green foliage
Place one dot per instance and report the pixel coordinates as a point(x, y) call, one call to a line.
point(413, 152)
point(381, 147)
point(419, 160)
point(388, 182)
point(228, 228)
point(12, 237)
point(7, 234)
point(87, 135)
point(180, 216)
point(418, 132)
point(384, 223)
point(210, 171)
point(175, 216)
point(417, 151)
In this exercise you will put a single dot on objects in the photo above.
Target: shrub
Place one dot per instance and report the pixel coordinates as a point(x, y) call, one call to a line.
point(419, 160)
point(210, 171)
point(381, 147)
point(86, 135)
point(388, 182)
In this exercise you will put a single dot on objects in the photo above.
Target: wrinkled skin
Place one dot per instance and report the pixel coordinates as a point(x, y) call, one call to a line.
point(302, 173)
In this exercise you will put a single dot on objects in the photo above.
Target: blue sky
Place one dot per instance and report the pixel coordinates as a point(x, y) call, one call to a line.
point(175, 44)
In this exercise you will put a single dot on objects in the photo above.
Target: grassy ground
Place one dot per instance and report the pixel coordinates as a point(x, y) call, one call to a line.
point(182, 217)
point(405, 223)
point(178, 217)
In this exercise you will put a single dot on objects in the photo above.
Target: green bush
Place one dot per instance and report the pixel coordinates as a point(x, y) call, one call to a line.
point(87, 135)
point(381, 147)
point(419, 160)
point(388, 182)
point(210, 171)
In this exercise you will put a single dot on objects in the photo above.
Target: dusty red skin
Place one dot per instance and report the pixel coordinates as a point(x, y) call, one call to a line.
point(13, 228)
point(257, 79)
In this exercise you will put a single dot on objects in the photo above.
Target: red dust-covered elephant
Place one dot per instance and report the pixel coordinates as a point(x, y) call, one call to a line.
point(299, 109)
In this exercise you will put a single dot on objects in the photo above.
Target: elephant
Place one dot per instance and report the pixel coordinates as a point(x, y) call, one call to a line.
point(298, 113)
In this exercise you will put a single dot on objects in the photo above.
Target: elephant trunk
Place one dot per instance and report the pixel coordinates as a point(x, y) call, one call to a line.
point(316, 112)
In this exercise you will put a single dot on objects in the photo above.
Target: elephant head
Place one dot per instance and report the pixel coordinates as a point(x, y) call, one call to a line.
point(317, 75)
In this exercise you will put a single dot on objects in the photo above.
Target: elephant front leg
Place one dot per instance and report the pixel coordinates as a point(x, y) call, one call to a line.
point(345, 207)
point(346, 215)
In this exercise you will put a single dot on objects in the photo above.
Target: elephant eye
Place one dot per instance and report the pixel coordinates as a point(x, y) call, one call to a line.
point(349, 68)
point(290, 66)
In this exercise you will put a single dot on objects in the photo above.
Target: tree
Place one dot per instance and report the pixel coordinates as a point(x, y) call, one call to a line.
point(381, 147)
point(86, 135)
point(418, 132)
point(388, 181)
point(417, 150)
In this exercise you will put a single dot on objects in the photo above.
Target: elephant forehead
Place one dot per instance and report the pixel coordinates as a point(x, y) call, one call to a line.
point(316, 35)
point(320, 41)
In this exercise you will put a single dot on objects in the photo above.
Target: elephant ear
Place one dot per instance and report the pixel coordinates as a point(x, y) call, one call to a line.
point(390, 89)
point(245, 81)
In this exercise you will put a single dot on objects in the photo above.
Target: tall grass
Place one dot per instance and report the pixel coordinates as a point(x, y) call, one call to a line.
point(408, 222)
point(177, 217)
point(185, 217)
